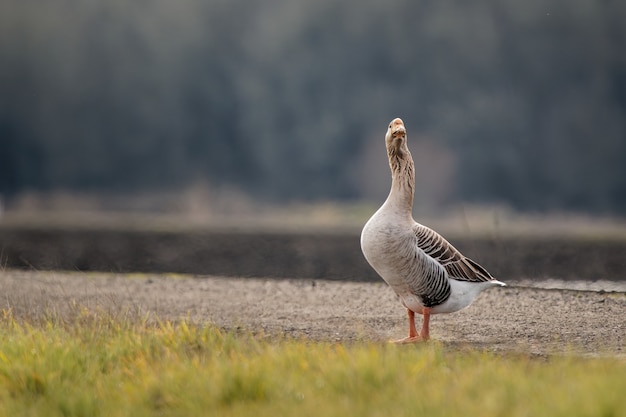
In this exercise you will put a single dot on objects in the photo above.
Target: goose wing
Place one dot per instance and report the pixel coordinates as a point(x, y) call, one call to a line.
point(456, 265)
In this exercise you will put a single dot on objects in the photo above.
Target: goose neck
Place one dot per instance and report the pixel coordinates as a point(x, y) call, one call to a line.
point(402, 182)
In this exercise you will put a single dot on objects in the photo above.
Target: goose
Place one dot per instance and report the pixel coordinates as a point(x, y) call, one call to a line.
point(427, 273)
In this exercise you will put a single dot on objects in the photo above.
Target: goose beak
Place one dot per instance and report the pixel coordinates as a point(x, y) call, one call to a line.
point(399, 132)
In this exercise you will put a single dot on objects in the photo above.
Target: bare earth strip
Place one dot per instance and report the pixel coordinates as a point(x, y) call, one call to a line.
point(517, 318)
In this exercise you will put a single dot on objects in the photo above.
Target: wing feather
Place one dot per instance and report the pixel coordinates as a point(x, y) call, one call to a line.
point(456, 265)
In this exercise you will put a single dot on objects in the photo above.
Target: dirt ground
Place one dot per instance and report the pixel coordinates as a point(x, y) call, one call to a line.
point(518, 318)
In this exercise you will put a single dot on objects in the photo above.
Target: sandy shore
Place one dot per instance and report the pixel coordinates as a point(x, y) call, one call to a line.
point(520, 318)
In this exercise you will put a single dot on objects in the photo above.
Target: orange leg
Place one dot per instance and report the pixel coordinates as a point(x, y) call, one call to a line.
point(425, 334)
point(413, 335)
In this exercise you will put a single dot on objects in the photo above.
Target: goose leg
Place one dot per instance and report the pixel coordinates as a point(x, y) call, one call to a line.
point(425, 334)
point(413, 335)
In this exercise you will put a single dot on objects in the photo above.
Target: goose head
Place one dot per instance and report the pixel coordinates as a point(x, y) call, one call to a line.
point(395, 138)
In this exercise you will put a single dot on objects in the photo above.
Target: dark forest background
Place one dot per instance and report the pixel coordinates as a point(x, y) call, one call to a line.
point(506, 101)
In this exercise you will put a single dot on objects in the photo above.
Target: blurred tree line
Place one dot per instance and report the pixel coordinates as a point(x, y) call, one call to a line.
point(521, 102)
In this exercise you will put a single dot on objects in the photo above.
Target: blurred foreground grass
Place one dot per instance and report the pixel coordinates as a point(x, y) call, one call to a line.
point(95, 364)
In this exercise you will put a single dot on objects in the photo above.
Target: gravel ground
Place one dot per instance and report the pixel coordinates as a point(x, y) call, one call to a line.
point(523, 317)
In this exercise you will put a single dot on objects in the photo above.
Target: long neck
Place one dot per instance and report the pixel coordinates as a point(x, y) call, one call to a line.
point(402, 180)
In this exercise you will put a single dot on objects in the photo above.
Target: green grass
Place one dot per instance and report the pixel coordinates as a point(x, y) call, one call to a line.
point(94, 364)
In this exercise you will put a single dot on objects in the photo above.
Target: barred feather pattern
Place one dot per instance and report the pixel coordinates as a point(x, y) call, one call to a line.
point(456, 265)
point(422, 275)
